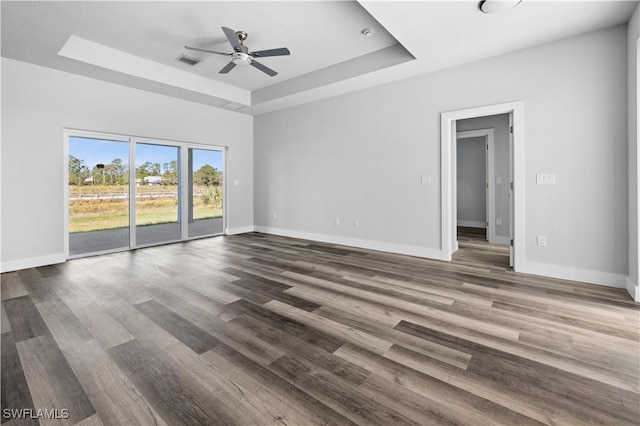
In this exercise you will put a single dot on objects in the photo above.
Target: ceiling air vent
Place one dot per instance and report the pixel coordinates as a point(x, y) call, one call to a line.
point(187, 60)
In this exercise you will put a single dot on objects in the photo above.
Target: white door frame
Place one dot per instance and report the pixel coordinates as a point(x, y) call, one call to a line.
point(490, 188)
point(448, 178)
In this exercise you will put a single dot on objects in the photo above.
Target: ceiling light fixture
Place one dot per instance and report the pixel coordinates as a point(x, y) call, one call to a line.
point(497, 6)
point(367, 32)
point(241, 58)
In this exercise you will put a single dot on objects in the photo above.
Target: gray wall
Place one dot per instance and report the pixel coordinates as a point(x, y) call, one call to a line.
point(362, 155)
point(633, 33)
point(38, 102)
point(471, 176)
point(500, 125)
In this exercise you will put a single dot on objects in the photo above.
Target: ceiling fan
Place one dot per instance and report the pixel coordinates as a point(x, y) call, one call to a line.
point(241, 54)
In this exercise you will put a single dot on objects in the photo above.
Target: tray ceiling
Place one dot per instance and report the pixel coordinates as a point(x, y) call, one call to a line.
point(136, 43)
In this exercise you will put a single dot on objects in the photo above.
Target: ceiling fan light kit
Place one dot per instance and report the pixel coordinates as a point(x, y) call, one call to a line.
point(240, 58)
point(241, 54)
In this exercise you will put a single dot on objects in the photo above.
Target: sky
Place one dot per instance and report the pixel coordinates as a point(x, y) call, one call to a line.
point(95, 151)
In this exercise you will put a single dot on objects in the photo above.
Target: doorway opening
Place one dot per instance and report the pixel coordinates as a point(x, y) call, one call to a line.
point(482, 201)
point(513, 182)
point(475, 168)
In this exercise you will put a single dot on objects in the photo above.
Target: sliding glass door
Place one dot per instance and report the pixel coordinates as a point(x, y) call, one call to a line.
point(157, 207)
point(205, 192)
point(98, 188)
point(175, 192)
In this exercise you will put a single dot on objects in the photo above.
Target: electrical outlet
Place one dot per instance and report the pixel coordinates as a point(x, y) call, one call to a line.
point(542, 240)
point(338, 222)
point(426, 180)
point(275, 215)
point(356, 223)
point(236, 182)
point(498, 221)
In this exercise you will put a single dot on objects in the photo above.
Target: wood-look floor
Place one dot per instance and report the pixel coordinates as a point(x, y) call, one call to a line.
point(263, 330)
point(474, 250)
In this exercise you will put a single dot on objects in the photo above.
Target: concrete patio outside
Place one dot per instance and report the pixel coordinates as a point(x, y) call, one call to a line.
point(109, 239)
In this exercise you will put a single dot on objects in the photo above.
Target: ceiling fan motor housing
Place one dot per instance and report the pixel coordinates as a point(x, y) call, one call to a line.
point(241, 55)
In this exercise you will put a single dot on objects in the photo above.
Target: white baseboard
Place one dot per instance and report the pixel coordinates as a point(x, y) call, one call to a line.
point(426, 252)
point(608, 279)
point(32, 262)
point(472, 224)
point(633, 289)
point(240, 230)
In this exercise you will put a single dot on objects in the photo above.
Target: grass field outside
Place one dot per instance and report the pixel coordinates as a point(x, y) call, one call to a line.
point(93, 208)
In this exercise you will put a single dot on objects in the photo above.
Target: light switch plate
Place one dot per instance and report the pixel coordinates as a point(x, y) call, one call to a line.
point(546, 179)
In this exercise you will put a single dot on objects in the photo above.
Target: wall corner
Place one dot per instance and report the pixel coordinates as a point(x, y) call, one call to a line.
point(633, 289)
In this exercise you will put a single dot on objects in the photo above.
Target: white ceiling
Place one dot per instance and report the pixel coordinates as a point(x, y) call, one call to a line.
point(136, 43)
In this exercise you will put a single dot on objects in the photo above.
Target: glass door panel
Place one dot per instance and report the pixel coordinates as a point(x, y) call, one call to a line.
point(157, 194)
point(174, 192)
point(98, 195)
point(205, 192)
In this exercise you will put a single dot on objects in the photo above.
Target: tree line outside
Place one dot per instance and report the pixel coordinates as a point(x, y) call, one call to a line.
point(108, 209)
point(117, 173)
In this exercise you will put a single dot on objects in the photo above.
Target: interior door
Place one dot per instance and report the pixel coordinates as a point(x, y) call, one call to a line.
point(486, 188)
point(511, 191)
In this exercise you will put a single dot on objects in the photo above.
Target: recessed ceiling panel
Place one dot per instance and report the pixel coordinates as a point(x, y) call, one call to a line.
point(318, 34)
